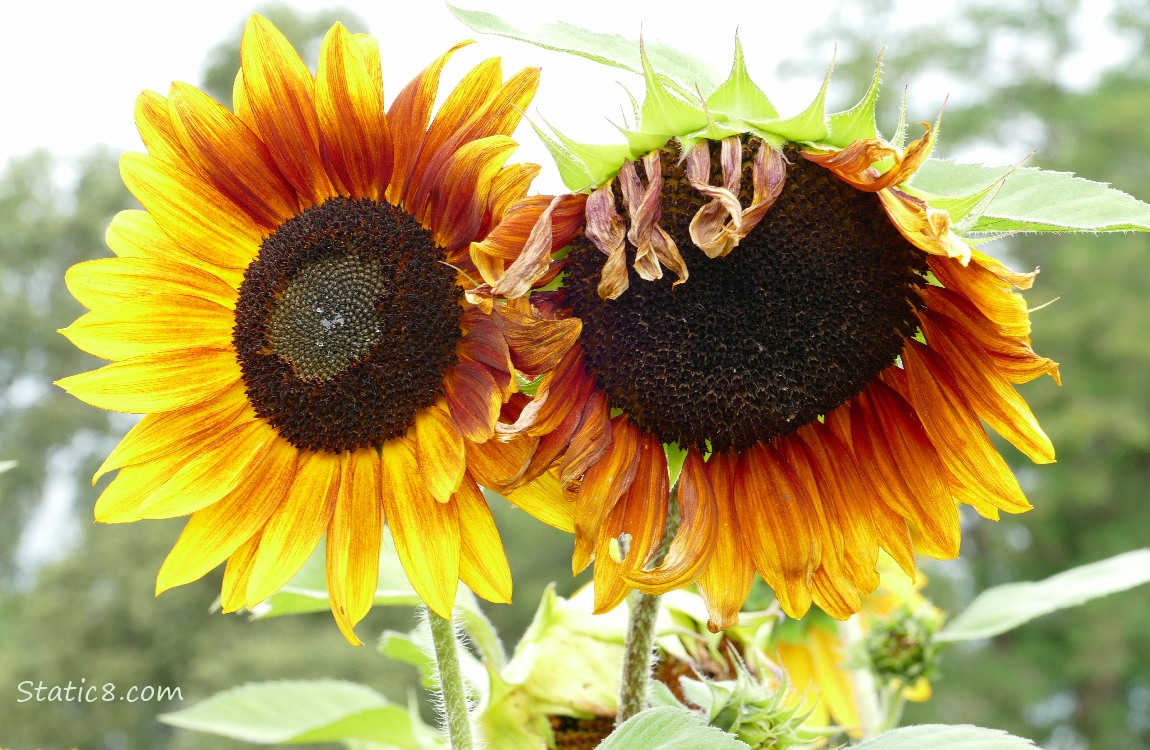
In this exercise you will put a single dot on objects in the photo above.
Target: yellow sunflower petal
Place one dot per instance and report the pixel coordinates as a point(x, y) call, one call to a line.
point(156, 382)
point(152, 324)
point(441, 453)
point(233, 592)
point(281, 94)
point(353, 540)
point(156, 130)
point(543, 498)
point(159, 435)
point(194, 214)
point(106, 281)
point(214, 533)
point(294, 530)
point(187, 485)
point(483, 564)
point(426, 532)
point(135, 234)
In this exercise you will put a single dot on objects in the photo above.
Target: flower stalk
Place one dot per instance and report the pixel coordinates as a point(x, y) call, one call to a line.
point(455, 713)
point(639, 644)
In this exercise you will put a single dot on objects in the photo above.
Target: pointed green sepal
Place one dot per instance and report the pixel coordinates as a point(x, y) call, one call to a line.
point(576, 175)
point(663, 111)
point(858, 122)
point(640, 143)
point(808, 126)
point(739, 97)
point(600, 161)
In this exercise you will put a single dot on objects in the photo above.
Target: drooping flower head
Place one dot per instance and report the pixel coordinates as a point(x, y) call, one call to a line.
point(814, 374)
point(288, 312)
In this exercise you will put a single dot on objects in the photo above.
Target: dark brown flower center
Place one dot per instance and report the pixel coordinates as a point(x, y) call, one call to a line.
point(801, 316)
point(345, 325)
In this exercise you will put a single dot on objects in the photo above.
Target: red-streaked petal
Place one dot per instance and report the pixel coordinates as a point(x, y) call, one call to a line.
point(159, 435)
point(691, 549)
point(603, 485)
point(196, 215)
point(349, 105)
point(953, 426)
point(726, 580)
point(642, 515)
point(474, 399)
point(991, 395)
point(281, 94)
point(408, 116)
point(777, 532)
point(233, 157)
point(904, 467)
point(214, 533)
point(459, 201)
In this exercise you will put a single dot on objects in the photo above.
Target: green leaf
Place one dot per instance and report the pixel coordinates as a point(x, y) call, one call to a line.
point(1005, 607)
point(1036, 200)
point(684, 71)
point(306, 711)
point(668, 728)
point(946, 737)
point(6, 466)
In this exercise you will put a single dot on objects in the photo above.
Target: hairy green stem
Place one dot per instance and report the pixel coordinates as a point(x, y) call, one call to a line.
point(640, 640)
point(639, 648)
point(455, 713)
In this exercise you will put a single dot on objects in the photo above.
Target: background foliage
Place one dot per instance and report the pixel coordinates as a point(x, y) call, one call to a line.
point(76, 601)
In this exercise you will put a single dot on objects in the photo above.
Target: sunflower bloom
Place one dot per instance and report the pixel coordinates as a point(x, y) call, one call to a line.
point(288, 313)
point(767, 307)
